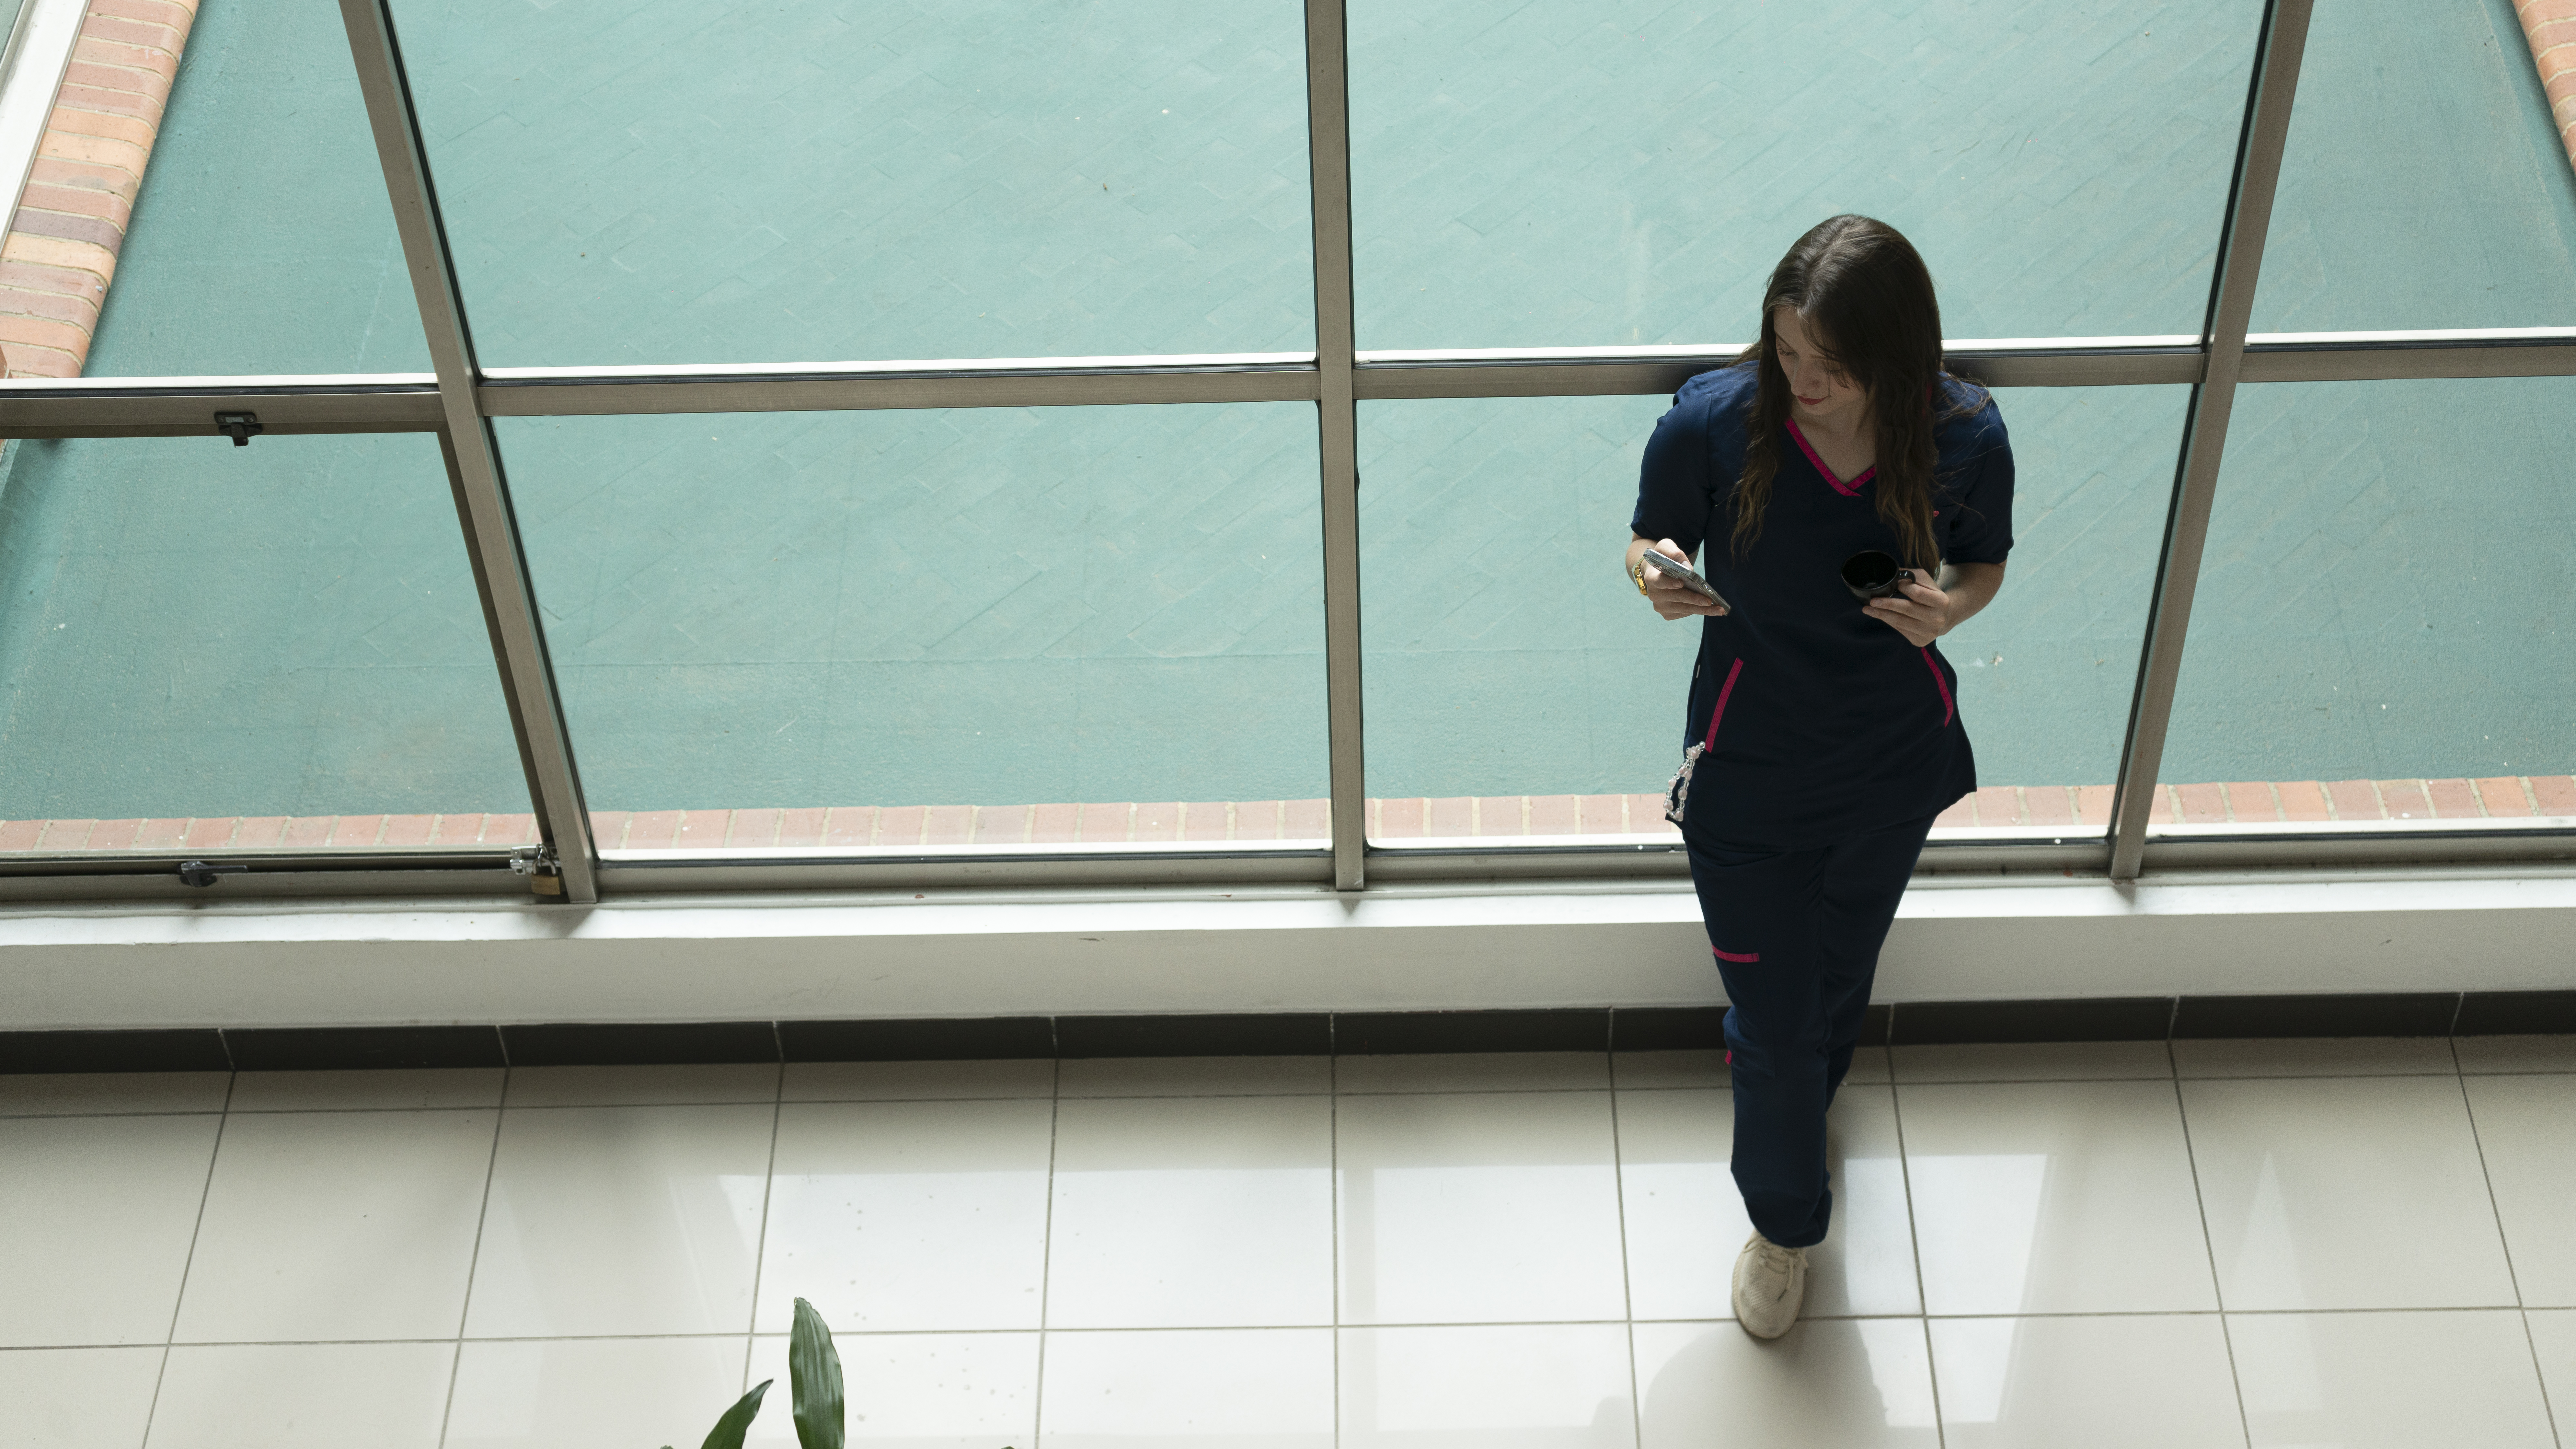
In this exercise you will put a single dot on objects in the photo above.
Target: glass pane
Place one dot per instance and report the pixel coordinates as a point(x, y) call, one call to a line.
point(795, 180)
point(906, 629)
point(1521, 688)
point(1602, 172)
point(2383, 625)
point(262, 241)
point(272, 647)
point(2423, 184)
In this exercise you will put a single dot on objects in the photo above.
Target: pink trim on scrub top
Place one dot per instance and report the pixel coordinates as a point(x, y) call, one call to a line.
point(1949, 709)
point(1719, 713)
point(1848, 490)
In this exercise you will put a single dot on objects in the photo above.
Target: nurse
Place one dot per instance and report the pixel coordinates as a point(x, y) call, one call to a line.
point(1823, 732)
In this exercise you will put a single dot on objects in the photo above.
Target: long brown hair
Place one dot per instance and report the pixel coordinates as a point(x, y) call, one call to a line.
point(1864, 292)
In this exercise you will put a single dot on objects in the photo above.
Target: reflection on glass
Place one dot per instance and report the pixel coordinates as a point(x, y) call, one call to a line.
point(1601, 172)
point(262, 241)
point(804, 181)
point(901, 630)
point(276, 646)
point(2383, 626)
point(1514, 684)
point(2423, 183)
point(1517, 686)
point(2046, 672)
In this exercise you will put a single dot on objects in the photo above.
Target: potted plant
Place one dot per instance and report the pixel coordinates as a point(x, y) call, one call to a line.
point(814, 1390)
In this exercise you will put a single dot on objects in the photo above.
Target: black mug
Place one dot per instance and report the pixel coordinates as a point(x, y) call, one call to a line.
point(1870, 574)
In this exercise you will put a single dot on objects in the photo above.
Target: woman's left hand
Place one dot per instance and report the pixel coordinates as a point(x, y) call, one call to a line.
point(1922, 615)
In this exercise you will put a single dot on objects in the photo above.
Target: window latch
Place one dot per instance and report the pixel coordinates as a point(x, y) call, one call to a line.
point(240, 427)
point(541, 865)
point(201, 874)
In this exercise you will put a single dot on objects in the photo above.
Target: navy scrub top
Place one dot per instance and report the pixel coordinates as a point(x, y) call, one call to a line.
point(1820, 722)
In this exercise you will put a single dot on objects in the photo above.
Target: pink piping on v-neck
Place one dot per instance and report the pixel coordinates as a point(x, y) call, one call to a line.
point(1848, 490)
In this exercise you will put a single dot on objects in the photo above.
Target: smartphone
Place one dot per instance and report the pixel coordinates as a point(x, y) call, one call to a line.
point(1683, 574)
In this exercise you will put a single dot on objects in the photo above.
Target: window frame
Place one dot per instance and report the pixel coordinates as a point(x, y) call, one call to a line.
point(458, 400)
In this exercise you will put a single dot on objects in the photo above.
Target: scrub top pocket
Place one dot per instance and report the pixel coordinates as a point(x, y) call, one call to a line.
point(1677, 792)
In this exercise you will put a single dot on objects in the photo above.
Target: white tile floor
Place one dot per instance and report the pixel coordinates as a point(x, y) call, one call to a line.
point(2251, 1244)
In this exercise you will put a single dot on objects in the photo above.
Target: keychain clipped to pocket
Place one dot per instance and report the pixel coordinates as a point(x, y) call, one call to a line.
point(1679, 789)
point(1677, 794)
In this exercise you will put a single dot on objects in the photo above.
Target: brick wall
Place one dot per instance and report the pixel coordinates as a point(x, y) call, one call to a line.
point(71, 221)
point(2550, 26)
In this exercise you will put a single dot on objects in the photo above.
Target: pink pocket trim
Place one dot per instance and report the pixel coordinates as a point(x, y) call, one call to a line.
point(1949, 708)
point(1747, 959)
point(1719, 713)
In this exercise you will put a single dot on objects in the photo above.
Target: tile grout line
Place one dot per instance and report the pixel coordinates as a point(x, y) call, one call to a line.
point(2522, 1310)
point(1627, 1288)
point(1260, 1328)
point(2548, 1407)
point(1913, 1239)
point(1046, 1256)
point(1333, 1207)
point(2209, 1248)
point(180, 1299)
point(473, 1261)
point(760, 1243)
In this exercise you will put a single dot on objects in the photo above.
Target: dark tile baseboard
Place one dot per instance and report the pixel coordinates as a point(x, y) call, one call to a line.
point(318, 1048)
point(183, 1049)
point(1361, 1033)
point(1246, 1034)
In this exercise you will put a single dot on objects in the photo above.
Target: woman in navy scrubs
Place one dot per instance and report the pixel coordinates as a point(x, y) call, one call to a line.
point(1823, 733)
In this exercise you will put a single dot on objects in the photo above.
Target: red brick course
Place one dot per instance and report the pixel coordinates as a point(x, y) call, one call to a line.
point(948, 824)
point(411, 831)
point(1456, 817)
point(60, 252)
point(66, 834)
point(2302, 800)
point(2405, 800)
point(1306, 820)
point(2550, 26)
point(1055, 824)
point(800, 827)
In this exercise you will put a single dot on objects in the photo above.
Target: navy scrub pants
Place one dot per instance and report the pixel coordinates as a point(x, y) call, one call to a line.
point(1796, 935)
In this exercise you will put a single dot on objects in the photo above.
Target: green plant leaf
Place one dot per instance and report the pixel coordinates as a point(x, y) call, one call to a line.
point(814, 1375)
point(728, 1432)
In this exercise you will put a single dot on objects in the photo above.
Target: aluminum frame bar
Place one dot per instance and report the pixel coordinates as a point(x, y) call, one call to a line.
point(1065, 382)
point(2231, 304)
point(473, 461)
point(1590, 372)
point(1328, 153)
point(112, 407)
point(142, 877)
point(2406, 356)
point(187, 410)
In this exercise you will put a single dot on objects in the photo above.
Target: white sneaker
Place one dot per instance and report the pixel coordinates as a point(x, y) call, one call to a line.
point(1770, 1285)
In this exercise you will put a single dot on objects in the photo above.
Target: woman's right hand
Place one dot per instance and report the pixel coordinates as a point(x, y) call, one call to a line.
point(1672, 600)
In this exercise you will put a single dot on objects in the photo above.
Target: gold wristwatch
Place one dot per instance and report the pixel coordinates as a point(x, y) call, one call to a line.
point(1637, 576)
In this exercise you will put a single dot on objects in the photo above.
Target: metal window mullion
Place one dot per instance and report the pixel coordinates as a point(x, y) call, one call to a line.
point(2240, 256)
point(1328, 151)
point(491, 531)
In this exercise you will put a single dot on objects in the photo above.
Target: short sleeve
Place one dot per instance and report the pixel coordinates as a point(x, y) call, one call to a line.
point(1675, 489)
point(1981, 517)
